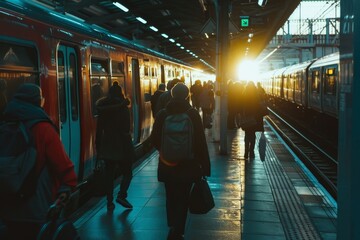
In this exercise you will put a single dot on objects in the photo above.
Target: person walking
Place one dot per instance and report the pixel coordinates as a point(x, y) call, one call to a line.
point(114, 143)
point(251, 109)
point(155, 97)
point(54, 169)
point(178, 179)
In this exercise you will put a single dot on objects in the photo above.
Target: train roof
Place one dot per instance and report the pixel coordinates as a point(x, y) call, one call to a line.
point(326, 60)
point(30, 9)
point(298, 67)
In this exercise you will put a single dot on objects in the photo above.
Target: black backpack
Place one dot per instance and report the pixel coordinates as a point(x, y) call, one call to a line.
point(17, 161)
point(177, 139)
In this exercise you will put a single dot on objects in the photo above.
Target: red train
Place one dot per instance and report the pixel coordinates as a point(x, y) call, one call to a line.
point(75, 63)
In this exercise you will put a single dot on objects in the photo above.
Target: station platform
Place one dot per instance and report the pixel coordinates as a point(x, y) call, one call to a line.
point(274, 199)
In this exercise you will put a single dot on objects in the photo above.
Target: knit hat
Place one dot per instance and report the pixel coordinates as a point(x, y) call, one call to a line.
point(180, 91)
point(30, 93)
point(115, 91)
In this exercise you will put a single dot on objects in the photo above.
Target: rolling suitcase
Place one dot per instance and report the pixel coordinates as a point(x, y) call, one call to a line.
point(57, 227)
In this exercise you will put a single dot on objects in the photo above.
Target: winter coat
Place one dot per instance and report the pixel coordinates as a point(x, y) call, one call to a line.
point(252, 107)
point(154, 100)
point(163, 100)
point(55, 169)
point(183, 172)
point(113, 139)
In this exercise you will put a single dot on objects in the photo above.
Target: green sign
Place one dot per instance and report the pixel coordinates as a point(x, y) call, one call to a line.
point(244, 21)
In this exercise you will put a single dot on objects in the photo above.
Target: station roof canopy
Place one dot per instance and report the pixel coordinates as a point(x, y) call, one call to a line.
point(190, 24)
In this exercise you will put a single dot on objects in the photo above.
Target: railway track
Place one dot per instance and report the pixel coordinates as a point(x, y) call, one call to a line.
point(321, 161)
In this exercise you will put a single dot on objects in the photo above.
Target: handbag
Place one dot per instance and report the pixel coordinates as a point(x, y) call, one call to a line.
point(99, 187)
point(262, 146)
point(201, 198)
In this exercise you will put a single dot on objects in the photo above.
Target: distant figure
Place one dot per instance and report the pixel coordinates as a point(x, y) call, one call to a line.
point(207, 104)
point(114, 144)
point(231, 105)
point(262, 93)
point(252, 108)
point(195, 91)
point(179, 178)
point(56, 172)
point(3, 98)
point(155, 97)
point(166, 96)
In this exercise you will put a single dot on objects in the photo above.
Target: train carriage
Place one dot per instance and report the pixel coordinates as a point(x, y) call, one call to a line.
point(323, 84)
point(75, 64)
point(312, 84)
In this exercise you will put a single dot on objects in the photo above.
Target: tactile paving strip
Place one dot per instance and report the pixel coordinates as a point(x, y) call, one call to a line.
point(297, 224)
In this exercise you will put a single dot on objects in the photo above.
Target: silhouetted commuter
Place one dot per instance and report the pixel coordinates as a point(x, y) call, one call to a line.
point(155, 97)
point(232, 105)
point(195, 91)
point(207, 104)
point(114, 142)
point(179, 178)
point(55, 171)
point(251, 109)
point(166, 96)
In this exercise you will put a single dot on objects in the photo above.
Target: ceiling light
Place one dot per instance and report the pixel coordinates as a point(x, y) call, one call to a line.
point(153, 28)
point(171, 40)
point(140, 19)
point(178, 44)
point(182, 47)
point(262, 3)
point(122, 7)
point(164, 35)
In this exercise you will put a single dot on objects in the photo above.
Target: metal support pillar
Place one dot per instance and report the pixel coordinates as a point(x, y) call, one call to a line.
point(349, 127)
point(222, 46)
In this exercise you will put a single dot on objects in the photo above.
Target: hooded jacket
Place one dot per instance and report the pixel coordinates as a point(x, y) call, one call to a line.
point(56, 171)
point(189, 172)
point(113, 139)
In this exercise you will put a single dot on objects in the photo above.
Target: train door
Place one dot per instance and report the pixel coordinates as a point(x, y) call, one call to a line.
point(68, 93)
point(135, 81)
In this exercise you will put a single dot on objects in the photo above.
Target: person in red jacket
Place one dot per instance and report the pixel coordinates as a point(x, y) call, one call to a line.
point(57, 177)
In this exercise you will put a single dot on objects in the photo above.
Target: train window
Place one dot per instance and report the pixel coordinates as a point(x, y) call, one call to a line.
point(18, 64)
point(99, 81)
point(315, 81)
point(73, 87)
point(146, 71)
point(153, 72)
point(61, 86)
point(169, 73)
point(118, 68)
point(330, 81)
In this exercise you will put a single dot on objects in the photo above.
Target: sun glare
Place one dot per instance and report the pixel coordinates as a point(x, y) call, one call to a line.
point(248, 70)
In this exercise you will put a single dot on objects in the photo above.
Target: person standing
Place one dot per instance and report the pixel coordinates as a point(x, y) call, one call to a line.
point(178, 179)
point(166, 96)
point(155, 97)
point(252, 108)
point(56, 175)
point(207, 104)
point(195, 91)
point(114, 143)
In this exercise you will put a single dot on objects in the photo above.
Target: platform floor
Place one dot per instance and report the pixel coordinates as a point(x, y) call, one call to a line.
point(255, 200)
